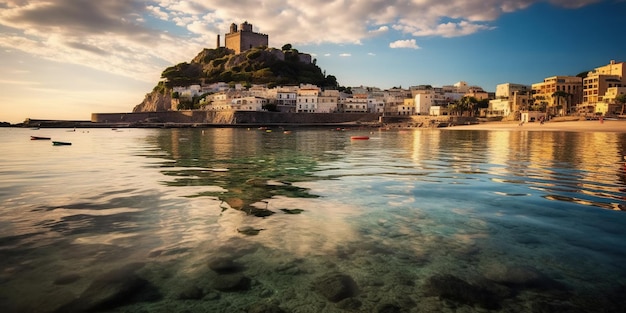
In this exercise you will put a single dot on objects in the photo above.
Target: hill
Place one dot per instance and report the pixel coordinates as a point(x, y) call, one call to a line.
point(260, 65)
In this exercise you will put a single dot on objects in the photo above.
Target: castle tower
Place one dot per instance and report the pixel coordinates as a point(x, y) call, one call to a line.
point(244, 39)
point(217, 45)
point(245, 27)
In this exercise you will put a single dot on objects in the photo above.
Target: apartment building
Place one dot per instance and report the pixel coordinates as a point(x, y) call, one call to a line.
point(547, 93)
point(358, 103)
point(327, 101)
point(250, 103)
point(510, 98)
point(307, 99)
point(598, 81)
point(286, 98)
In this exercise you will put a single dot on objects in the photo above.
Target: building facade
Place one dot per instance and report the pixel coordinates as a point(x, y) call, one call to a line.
point(510, 98)
point(598, 81)
point(560, 94)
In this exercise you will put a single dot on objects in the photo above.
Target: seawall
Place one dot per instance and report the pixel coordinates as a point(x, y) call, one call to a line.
point(233, 118)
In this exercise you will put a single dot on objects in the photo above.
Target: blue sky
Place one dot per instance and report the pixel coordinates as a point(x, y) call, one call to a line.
point(65, 59)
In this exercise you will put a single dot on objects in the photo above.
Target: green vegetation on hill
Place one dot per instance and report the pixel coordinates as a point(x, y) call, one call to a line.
point(255, 66)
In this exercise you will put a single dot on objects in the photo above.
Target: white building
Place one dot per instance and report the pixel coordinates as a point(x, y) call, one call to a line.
point(423, 101)
point(327, 101)
point(509, 98)
point(356, 104)
point(248, 103)
point(188, 91)
point(286, 98)
point(307, 99)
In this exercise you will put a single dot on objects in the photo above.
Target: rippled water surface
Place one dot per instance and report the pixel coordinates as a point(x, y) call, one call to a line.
point(239, 220)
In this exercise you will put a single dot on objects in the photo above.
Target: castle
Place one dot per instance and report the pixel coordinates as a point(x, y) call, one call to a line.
point(243, 39)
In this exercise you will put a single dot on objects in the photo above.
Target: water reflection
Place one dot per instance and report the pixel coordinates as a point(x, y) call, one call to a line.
point(246, 167)
point(407, 216)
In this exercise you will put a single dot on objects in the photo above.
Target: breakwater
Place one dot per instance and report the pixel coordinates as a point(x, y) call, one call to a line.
point(198, 118)
point(232, 118)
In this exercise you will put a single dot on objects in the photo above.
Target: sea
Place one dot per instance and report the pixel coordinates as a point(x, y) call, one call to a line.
point(311, 220)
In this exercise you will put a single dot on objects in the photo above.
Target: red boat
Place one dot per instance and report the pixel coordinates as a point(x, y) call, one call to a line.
point(39, 138)
point(359, 137)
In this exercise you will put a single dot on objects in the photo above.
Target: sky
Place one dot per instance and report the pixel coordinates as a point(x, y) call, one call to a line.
point(66, 59)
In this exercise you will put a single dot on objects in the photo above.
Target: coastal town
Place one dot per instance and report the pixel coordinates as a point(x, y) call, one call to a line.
point(598, 92)
point(595, 94)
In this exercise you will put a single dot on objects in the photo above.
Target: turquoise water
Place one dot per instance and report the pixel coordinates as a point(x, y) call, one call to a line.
point(238, 220)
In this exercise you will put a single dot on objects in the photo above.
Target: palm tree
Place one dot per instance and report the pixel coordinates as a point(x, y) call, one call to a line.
point(559, 95)
point(621, 99)
point(467, 104)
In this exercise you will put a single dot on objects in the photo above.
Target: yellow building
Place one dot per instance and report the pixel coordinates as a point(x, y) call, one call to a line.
point(571, 86)
point(609, 105)
point(598, 81)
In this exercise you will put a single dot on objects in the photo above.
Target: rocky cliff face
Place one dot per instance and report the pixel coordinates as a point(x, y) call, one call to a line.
point(155, 102)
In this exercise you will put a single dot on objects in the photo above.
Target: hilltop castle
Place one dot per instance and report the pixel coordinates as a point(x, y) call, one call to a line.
point(243, 39)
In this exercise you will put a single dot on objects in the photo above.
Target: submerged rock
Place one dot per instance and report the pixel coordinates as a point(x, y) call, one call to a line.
point(225, 265)
point(292, 211)
point(336, 286)
point(455, 289)
point(260, 212)
point(523, 277)
point(191, 292)
point(249, 230)
point(232, 283)
point(262, 307)
point(67, 279)
point(113, 289)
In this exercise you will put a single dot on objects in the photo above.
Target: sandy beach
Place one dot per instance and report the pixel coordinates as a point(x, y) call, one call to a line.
point(618, 126)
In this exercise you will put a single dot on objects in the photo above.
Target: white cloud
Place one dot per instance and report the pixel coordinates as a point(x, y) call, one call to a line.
point(327, 54)
point(409, 43)
point(447, 30)
point(380, 30)
point(371, 54)
point(345, 55)
point(136, 38)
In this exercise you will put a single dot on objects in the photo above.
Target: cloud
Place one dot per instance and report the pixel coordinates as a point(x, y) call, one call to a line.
point(447, 30)
point(371, 54)
point(138, 38)
point(345, 55)
point(409, 43)
point(380, 30)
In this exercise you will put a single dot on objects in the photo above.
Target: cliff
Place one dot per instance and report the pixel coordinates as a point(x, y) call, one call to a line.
point(155, 102)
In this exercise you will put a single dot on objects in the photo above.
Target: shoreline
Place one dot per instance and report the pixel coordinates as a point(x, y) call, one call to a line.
point(617, 126)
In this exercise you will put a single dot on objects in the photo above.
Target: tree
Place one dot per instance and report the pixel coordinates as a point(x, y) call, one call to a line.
point(331, 82)
point(582, 75)
point(286, 47)
point(560, 95)
point(467, 104)
point(621, 99)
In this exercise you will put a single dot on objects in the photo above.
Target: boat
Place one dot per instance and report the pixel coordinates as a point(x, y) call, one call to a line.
point(39, 138)
point(359, 137)
point(61, 143)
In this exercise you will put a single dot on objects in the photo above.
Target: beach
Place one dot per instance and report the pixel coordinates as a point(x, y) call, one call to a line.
point(618, 126)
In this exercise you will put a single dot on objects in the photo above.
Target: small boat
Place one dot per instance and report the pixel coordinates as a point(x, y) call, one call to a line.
point(61, 143)
point(39, 138)
point(359, 137)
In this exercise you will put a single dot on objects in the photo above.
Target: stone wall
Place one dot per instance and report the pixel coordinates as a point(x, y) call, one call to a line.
point(233, 117)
